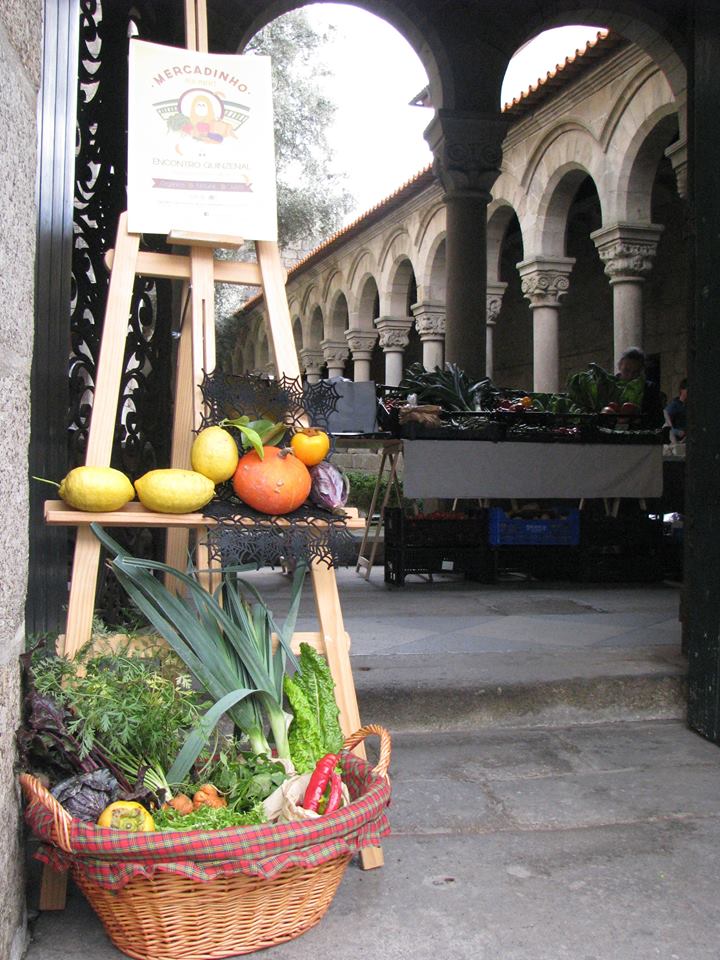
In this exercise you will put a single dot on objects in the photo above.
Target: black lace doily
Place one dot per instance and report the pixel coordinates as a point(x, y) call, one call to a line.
point(288, 399)
point(246, 536)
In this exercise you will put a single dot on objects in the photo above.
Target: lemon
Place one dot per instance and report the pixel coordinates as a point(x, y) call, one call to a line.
point(96, 489)
point(214, 454)
point(174, 491)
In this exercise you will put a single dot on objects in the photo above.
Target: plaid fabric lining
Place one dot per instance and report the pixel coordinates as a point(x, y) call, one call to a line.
point(112, 858)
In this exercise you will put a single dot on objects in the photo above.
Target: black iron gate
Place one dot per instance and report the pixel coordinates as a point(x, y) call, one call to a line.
point(82, 176)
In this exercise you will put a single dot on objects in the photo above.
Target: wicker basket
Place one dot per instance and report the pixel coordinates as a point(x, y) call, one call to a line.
point(173, 917)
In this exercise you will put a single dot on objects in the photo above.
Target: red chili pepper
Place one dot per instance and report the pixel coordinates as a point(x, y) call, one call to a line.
point(335, 793)
point(319, 780)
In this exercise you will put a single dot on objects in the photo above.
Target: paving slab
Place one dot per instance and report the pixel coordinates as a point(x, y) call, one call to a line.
point(576, 843)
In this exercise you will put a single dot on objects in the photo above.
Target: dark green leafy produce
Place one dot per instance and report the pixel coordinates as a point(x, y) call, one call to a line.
point(451, 389)
point(595, 388)
point(243, 778)
point(315, 729)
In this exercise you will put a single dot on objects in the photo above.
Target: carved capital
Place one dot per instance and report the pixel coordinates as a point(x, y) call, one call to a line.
point(493, 298)
point(394, 333)
point(627, 250)
point(677, 155)
point(429, 319)
point(545, 279)
point(467, 151)
point(312, 360)
point(361, 342)
point(335, 352)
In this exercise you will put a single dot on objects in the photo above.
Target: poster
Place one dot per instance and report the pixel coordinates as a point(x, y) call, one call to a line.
point(200, 143)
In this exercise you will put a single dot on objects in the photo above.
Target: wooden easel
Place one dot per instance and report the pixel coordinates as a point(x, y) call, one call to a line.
point(199, 270)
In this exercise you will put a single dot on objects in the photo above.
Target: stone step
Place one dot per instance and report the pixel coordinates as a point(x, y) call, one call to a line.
point(465, 692)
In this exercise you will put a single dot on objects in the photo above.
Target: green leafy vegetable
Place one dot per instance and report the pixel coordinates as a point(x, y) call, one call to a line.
point(209, 818)
point(225, 639)
point(450, 388)
point(315, 729)
point(243, 778)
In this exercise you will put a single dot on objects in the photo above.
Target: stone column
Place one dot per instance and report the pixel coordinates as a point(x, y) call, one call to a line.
point(361, 343)
point(628, 251)
point(544, 281)
point(430, 325)
point(393, 339)
point(335, 353)
point(493, 299)
point(312, 361)
point(468, 154)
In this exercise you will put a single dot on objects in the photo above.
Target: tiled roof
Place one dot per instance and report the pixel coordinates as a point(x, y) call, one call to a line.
point(581, 60)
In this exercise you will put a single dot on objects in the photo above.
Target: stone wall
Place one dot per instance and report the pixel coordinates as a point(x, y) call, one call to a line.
point(20, 57)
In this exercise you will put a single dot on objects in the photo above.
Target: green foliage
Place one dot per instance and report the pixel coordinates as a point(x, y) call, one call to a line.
point(209, 818)
point(243, 778)
point(125, 703)
point(361, 490)
point(592, 389)
point(451, 388)
point(315, 729)
point(311, 199)
point(225, 640)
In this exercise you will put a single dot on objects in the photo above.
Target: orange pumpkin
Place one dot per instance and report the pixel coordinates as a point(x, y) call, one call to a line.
point(277, 484)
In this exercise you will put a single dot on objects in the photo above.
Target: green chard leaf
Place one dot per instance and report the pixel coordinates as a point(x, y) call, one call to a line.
point(315, 729)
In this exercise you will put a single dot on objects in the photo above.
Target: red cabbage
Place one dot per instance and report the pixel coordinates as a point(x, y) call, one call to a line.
point(330, 487)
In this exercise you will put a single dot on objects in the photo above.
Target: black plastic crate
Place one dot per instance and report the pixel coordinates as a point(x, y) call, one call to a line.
point(475, 563)
point(433, 530)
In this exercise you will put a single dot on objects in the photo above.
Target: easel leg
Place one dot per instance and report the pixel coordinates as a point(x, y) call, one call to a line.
point(102, 427)
point(53, 889)
point(337, 651)
point(177, 538)
point(81, 605)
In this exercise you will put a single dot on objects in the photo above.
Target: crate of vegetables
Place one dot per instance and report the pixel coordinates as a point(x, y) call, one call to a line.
point(451, 528)
point(194, 820)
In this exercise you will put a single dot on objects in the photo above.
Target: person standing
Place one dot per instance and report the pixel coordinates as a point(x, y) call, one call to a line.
point(676, 414)
point(631, 366)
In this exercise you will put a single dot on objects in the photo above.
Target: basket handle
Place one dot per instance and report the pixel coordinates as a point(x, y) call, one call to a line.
point(35, 791)
point(385, 745)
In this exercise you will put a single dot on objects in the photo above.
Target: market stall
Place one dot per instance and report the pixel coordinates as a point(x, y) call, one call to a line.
point(557, 484)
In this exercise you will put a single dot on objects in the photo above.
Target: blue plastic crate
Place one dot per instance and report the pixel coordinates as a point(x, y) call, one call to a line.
point(504, 531)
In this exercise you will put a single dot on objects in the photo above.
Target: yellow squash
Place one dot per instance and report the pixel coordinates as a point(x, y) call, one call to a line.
point(126, 815)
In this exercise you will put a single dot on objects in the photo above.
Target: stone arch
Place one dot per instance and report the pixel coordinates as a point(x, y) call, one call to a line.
point(638, 154)
point(500, 214)
point(309, 295)
point(297, 332)
point(552, 184)
point(395, 261)
point(396, 292)
point(367, 302)
point(361, 265)
point(337, 317)
point(431, 252)
point(315, 328)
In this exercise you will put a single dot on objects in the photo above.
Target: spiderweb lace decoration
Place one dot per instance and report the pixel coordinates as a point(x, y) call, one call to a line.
point(242, 535)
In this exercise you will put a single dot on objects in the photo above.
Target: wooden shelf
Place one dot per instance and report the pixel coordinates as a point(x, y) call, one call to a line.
point(59, 514)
